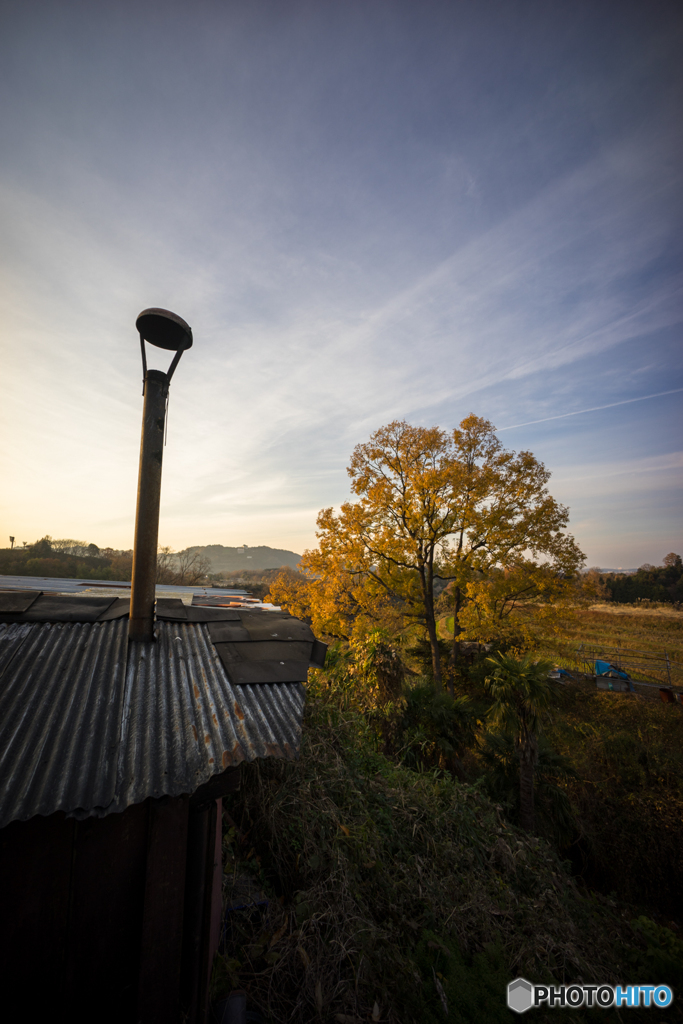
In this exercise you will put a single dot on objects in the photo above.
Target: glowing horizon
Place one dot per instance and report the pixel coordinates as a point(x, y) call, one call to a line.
point(365, 214)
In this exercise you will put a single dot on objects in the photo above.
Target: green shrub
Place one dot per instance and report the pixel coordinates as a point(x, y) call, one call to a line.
point(555, 818)
point(434, 728)
point(459, 989)
point(658, 957)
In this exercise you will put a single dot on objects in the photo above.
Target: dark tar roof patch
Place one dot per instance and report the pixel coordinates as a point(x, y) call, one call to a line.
point(276, 646)
point(61, 608)
point(17, 601)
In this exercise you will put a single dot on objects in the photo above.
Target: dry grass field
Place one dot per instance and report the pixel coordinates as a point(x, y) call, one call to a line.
point(653, 629)
point(648, 628)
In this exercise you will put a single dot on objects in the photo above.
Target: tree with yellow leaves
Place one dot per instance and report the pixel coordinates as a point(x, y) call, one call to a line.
point(432, 505)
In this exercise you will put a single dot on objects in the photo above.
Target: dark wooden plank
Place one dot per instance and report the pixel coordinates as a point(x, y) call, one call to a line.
point(227, 632)
point(198, 849)
point(318, 653)
point(218, 786)
point(35, 868)
point(202, 908)
point(267, 650)
point(213, 839)
point(216, 898)
point(242, 673)
point(197, 613)
point(275, 626)
point(118, 610)
point(162, 927)
point(105, 920)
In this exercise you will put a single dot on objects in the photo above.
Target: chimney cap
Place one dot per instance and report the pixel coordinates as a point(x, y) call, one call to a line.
point(164, 329)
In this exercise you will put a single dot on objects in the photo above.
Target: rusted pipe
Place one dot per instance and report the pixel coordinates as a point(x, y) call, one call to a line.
point(143, 587)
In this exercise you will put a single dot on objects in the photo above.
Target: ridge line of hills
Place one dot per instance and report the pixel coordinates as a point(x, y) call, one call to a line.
point(232, 559)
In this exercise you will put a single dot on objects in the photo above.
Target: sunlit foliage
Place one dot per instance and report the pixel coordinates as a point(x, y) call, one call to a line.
point(434, 508)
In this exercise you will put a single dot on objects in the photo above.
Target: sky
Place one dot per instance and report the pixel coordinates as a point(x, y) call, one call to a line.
point(366, 211)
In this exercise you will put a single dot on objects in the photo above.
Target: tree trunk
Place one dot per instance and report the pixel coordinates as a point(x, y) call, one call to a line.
point(428, 598)
point(527, 761)
point(455, 651)
point(436, 654)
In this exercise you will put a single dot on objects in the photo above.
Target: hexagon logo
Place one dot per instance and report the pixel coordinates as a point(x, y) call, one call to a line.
point(520, 995)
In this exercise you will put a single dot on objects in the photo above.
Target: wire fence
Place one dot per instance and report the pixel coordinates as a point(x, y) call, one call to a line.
point(651, 667)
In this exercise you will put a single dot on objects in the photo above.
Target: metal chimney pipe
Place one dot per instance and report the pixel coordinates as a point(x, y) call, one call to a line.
point(165, 330)
point(143, 587)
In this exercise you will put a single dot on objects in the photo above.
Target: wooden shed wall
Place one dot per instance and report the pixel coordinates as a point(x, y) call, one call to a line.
point(112, 918)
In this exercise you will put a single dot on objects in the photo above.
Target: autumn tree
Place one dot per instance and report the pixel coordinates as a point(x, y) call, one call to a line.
point(434, 506)
point(510, 543)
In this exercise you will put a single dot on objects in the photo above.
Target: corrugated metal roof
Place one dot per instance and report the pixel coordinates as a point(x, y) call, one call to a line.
point(92, 723)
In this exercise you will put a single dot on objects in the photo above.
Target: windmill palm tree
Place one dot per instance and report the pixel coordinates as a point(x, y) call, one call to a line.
point(521, 693)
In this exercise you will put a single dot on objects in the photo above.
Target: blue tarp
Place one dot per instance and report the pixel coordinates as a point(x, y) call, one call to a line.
point(604, 668)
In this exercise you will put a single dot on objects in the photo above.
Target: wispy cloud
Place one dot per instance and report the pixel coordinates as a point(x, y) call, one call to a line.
point(668, 463)
point(593, 408)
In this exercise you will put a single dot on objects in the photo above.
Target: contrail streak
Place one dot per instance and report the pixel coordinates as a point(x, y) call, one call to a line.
point(595, 408)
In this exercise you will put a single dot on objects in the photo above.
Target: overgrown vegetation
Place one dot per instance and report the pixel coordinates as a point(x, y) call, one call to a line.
point(383, 891)
point(451, 588)
point(627, 796)
point(620, 767)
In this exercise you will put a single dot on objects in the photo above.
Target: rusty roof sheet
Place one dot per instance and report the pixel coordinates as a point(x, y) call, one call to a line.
point(92, 723)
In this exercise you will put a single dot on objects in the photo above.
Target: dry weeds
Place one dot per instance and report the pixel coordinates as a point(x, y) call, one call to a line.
point(360, 860)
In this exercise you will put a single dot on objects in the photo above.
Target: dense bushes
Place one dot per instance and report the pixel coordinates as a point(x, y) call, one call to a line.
point(381, 892)
point(434, 729)
point(627, 796)
point(608, 777)
point(398, 886)
point(554, 815)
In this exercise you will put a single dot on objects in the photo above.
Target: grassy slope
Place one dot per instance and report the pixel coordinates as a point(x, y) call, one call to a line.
point(382, 881)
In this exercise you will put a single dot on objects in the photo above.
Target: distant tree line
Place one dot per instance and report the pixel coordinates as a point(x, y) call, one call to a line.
point(75, 559)
point(650, 583)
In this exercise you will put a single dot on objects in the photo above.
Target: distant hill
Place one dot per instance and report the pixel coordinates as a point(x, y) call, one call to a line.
point(224, 559)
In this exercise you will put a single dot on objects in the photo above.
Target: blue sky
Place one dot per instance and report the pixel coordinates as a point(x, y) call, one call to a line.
point(366, 211)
